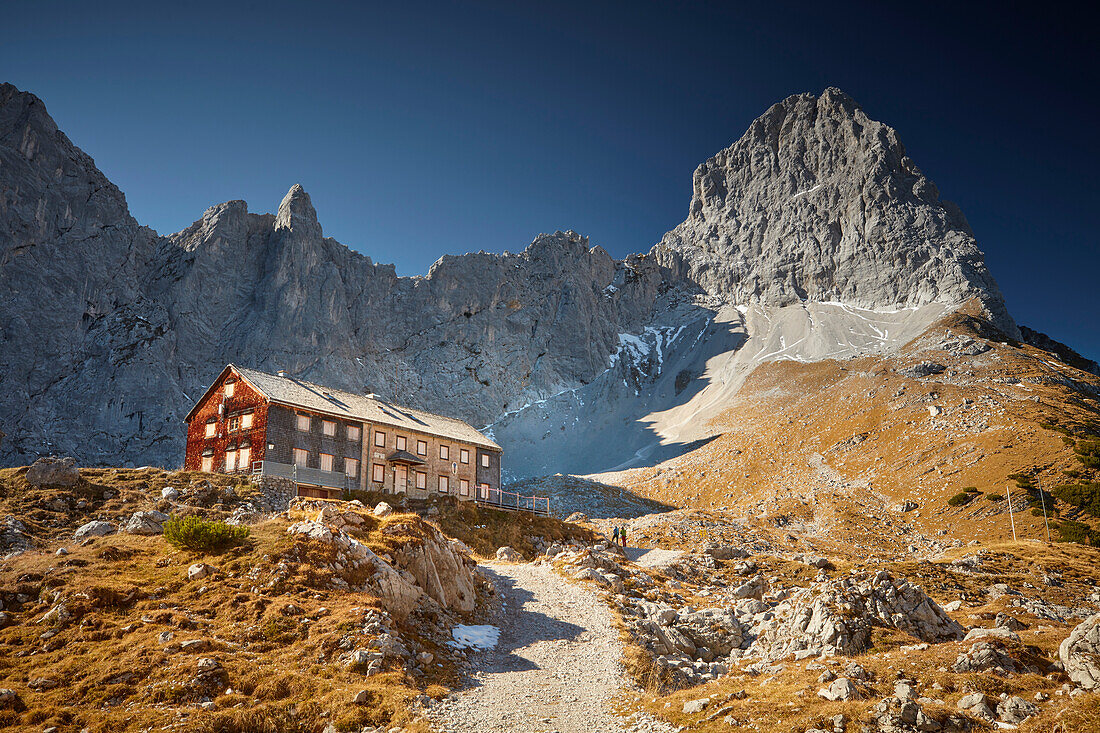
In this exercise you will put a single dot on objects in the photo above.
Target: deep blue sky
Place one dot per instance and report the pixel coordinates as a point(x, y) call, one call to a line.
point(428, 128)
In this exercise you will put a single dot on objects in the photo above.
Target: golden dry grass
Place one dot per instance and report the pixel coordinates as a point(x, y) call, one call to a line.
point(124, 591)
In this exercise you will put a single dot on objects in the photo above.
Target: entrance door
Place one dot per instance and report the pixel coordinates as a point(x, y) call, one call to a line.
point(400, 479)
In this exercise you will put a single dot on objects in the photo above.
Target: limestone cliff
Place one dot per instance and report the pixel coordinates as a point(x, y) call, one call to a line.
point(108, 331)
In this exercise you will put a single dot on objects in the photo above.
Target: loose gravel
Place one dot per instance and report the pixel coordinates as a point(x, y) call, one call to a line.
point(556, 666)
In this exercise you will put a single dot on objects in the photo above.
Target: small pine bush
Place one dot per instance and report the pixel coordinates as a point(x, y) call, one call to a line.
point(1078, 532)
point(960, 499)
point(994, 497)
point(1085, 495)
point(972, 490)
point(202, 535)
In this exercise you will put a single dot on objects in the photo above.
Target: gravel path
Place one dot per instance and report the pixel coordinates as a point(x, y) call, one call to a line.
point(555, 668)
point(652, 558)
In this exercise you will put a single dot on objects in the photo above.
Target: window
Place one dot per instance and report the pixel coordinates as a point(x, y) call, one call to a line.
point(234, 423)
point(326, 461)
point(353, 433)
point(379, 439)
point(464, 456)
point(444, 452)
point(301, 457)
point(402, 442)
point(303, 423)
point(231, 460)
point(421, 447)
point(444, 484)
point(483, 491)
point(229, 388)
point(208, 461)
point(463, 487)
point(351, 467)
point(211, 428)
point(484, 460)
point(328, 427)
point(246, 421)
point(378, 473)
point(244, 455)
point(421, 480)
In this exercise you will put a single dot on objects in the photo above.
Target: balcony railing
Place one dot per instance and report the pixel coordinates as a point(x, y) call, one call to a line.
point(501, 499)
point(302, 475)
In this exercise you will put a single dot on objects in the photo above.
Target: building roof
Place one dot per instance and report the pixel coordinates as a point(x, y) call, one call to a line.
point(315, 397)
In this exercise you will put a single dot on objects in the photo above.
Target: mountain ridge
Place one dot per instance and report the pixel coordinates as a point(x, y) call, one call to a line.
point(131, 323)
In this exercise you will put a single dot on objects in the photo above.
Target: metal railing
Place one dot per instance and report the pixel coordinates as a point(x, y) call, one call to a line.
point(303, 475)
point(501, 499)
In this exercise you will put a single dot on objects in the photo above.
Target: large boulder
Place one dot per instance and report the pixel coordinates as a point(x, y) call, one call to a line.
point(1080, 653)
point(94, 528)
point(146, 523)
point(53, 471)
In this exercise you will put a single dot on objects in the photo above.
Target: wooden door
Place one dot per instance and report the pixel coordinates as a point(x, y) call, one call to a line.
point(400, 479)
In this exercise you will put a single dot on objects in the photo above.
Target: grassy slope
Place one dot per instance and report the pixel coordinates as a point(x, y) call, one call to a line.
point(846, 439)
point(124, 591)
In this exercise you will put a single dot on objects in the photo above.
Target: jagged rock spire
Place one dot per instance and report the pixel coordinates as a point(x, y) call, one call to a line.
point(297, 215)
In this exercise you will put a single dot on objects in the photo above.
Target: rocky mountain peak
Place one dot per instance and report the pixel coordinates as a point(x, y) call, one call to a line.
point(819, 202)
point(297, 215)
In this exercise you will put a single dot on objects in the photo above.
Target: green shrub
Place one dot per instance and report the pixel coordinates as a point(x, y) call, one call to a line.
point(960, 499)
point(1078, 532)
point(202, 535)
point(1084, 495)
point(972, 490)
point(994, 497)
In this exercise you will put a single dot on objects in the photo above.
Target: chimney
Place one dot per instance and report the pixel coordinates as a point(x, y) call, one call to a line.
point(282, 373)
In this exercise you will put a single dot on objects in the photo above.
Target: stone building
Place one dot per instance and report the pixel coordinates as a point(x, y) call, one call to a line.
point(328, 441)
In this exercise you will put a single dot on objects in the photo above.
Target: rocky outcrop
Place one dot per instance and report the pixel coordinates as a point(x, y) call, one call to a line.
point(1080, 653)
point(428, 564)
point(836, 616)
point(819, 202)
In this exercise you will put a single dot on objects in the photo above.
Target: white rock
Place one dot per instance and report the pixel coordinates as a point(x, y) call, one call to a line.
point(94, 528)
point(199, 570)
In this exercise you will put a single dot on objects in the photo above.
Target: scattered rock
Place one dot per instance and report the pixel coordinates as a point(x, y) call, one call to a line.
point(985, 657)
point(1016, 710)
point(923, 369)
point(146, 523)
point(170, 493)
point(507, 554)
point(363, 697)
point(842, 689)
point(977, 705)
point(206, 664)
point(382, 510)
point(199, 570)
point(693, 707)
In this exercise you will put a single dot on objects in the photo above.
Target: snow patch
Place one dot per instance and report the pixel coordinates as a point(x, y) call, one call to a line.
point(475, 637)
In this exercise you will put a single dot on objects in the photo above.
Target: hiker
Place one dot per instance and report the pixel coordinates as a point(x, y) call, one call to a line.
point(622, 536)
point(615, 535)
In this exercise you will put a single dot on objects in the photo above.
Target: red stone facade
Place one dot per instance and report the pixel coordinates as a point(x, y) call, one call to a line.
point(226, 414)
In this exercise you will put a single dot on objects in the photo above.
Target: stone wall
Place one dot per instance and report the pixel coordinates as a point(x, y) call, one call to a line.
point(278, 491)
